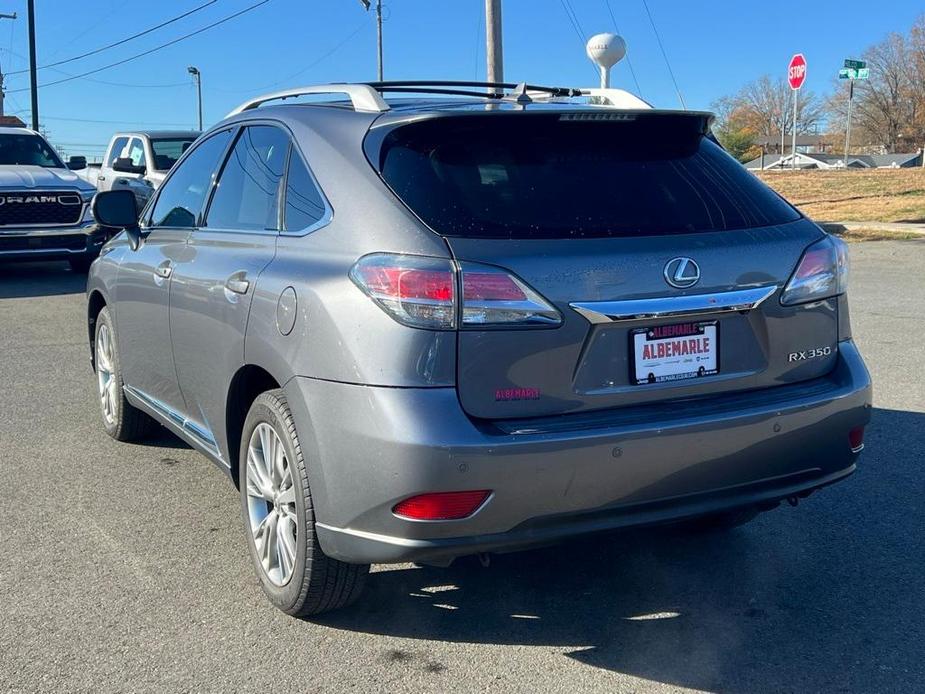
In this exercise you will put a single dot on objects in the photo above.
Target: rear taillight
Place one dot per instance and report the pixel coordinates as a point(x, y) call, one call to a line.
point(821, 273)
point(414, 290)
point(495, 297)
point(441, 505)
point(422, 292)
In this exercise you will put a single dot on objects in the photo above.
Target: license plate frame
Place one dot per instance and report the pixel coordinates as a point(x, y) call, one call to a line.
point(647, 367)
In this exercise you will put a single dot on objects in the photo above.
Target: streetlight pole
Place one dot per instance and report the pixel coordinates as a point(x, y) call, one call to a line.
point(4, 16)
point(194, 71)
point(33, 72)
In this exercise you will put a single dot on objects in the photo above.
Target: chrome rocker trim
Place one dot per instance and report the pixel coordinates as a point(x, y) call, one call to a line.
point(182, 423)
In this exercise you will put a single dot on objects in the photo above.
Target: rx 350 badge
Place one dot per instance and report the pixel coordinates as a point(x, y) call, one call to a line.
point(806, 354)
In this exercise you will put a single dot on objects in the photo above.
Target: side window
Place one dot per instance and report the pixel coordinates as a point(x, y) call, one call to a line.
point(136, 152)
point(180, 198)
point(304, 204)
point(117, 147)
point(247, 194)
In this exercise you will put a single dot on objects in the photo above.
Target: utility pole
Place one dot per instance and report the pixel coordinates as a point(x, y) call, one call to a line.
point(494, 53)
point(33, 73)
point(4, 16)
point(194, 71)
point(366, 4)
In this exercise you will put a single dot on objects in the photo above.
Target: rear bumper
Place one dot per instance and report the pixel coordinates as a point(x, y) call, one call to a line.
point(55, 243)
point(377, 446)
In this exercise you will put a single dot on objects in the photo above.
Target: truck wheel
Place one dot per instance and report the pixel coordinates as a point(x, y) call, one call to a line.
point(276, 503)
point(122, 421)
point(81, 264)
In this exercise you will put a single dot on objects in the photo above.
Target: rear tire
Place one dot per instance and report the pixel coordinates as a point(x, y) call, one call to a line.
point(122, 421)
point(721, 522)
point(276, 504)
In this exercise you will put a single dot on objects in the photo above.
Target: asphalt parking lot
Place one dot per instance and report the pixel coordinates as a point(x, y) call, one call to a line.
point(124, 567)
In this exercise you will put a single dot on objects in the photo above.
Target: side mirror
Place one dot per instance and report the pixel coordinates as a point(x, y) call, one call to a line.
point(119, 210)
point(77, 163)
point(125, 165)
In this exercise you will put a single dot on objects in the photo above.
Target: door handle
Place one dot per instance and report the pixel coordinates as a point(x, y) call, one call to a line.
point(163, 270)
point(237, 284)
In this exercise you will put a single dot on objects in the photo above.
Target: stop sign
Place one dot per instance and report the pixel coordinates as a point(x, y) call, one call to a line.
point(796, 71)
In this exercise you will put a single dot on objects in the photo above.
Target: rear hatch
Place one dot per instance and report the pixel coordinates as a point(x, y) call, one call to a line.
point(664, 258)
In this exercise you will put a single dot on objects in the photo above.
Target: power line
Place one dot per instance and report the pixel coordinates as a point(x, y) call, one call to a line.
point(104, 17)
point(569, 11)
point(151, 50)
point(324, 56)
point(115, 122)
point(628, 61)
point(106, 82)
point(121, 41)
point(664, 54)
point(576, 25)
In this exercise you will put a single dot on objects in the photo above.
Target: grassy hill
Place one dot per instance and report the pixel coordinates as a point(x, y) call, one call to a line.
point(864, 195)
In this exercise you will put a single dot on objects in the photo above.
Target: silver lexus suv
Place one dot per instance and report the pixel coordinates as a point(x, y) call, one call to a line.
point(473, 319)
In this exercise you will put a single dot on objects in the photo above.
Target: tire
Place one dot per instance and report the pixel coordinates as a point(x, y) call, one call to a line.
point(296, 575)
point(721, 522)
point(121, 420)
point(81, 264)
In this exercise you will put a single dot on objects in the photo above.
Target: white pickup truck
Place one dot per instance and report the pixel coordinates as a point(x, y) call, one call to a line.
point(139, 160)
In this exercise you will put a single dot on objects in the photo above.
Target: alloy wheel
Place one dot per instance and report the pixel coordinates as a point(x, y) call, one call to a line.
point(106, 373)
point(271, 504)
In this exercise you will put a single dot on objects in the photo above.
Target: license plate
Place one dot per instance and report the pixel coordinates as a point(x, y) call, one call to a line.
point(674, 352)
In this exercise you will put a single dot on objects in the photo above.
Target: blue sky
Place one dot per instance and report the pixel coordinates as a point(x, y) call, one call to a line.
point(714, 48)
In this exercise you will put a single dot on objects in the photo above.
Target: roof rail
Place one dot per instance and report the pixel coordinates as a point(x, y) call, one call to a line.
point(368, 96)
point(362, 96)
point(495, 89)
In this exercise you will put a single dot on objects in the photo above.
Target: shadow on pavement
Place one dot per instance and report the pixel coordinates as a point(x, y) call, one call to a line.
point(39, 279)
point(822, 597)
point(162, 437)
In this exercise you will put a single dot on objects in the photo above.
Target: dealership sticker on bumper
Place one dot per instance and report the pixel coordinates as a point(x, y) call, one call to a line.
point(675, 352)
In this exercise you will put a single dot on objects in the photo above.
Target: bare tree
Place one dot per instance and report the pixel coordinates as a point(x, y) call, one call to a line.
point(883, 106)
point(889, 108)
point(770, 104)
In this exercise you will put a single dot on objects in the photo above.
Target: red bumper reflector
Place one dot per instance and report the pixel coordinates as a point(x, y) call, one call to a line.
point(441, 505)
point(856, 438)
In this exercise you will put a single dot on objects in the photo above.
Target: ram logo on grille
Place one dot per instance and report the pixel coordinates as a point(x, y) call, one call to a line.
point(68, 199)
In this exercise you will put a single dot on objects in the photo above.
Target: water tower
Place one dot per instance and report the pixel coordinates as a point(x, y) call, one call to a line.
point(606, 50)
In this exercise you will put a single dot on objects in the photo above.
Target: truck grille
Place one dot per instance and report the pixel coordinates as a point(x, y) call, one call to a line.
point(45, 208)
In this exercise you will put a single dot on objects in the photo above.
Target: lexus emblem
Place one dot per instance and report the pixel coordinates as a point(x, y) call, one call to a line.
point(682, 273)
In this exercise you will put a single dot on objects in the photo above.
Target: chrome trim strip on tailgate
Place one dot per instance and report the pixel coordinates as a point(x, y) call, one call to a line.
point(673, 306)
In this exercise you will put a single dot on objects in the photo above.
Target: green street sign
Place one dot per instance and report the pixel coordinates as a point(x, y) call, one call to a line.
point(847, 73)
point(855, 64)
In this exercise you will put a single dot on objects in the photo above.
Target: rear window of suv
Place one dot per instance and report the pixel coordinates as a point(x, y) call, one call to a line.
point(525, 176)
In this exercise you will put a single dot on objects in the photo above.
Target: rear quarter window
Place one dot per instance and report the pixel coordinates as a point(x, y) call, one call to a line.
point(529, 176)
